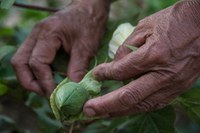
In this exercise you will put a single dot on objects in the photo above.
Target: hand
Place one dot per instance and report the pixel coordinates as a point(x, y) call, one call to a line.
point(78, 29)
point(166, 63)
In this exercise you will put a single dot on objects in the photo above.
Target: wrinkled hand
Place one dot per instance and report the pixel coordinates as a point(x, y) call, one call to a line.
point(78, 29)
point(166, 64)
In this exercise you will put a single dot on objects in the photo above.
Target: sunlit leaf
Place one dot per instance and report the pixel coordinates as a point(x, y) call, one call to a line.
point(133, 48)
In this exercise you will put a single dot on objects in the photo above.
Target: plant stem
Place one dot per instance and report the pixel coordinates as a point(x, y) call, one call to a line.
point(33, 7)
point(71, 128)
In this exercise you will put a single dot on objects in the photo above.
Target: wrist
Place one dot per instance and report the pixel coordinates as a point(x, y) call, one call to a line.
point(194, 5)
point(97, 9)
point(189, 8)
point(96, 4)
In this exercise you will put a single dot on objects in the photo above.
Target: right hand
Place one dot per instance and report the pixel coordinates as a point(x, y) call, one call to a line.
point(165, 65)
point(78, 29)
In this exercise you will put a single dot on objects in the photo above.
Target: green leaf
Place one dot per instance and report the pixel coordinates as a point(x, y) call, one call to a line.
point(91, 84)
point(6, 31)
point(6, 70)
point(8, 122)
point(41, 107)
point(160, 121)
point(3, 89)
point(197, 84)
point(190, 103)
point(58, 78)
point(52, 100)
point(6, 4)
point(5, 50)
point(131, 47)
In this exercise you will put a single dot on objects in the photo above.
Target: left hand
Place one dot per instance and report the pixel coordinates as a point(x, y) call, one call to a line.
point(77, 29)
point(167, 63)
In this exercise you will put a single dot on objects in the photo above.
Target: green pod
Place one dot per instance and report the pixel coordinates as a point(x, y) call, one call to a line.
point(70, 98)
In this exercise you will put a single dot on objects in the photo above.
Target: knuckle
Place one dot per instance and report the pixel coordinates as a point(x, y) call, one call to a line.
point(100, 108)
point(50, 23)
point(169, 76)
point(156, 56)
point(34, 62)
point(117, 72)
point(155, 75)
point(177, 76)
point(103, 108)
point(160, 53)
point(127, 98)
point(162, 77)
point(38, 25)
point(146, 106)
point(160, 105)
point(26, 85)
point(141, 22)
point(14, 61)
point(45, 24)
point(123, 50)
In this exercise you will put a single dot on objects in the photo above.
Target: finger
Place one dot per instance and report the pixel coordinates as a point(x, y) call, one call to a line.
point(78, 64)
point(20, 63)
point(139, 108)
point(145, 106)
point(42, 56)
point(132, 65)
point(27, 80)
point(136, 39)
point(125, 97)
point(157, 100)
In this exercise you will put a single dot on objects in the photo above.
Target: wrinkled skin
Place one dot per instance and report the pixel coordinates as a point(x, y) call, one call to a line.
point(78, 29)
point(166, 64)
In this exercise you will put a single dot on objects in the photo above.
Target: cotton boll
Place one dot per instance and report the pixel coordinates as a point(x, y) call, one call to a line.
point(119, 36)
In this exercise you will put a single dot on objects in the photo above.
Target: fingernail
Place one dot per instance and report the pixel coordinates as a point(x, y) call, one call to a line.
point(98, 72)
point(90, 112)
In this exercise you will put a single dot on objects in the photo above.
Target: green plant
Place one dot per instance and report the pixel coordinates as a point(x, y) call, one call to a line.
point(25, 112)
point(68, 98)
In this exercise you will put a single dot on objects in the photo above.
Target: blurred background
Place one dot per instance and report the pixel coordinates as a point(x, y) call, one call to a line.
point(26, 112)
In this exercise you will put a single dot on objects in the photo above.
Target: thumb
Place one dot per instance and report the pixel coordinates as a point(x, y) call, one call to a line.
point(78, 64)
point(126, 97)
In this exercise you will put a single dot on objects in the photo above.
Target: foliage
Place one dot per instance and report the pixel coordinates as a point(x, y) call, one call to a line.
point(25, 112)
point(6, 4)
point(144, 123)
